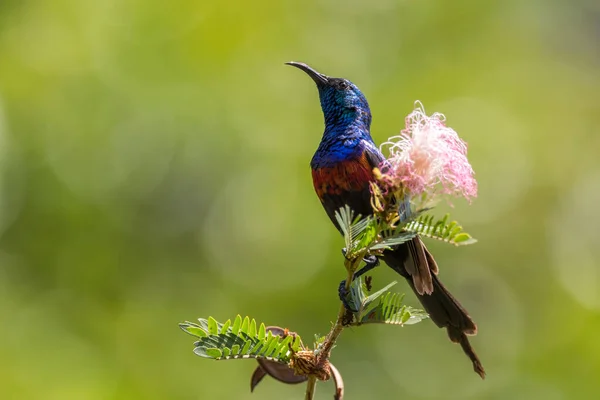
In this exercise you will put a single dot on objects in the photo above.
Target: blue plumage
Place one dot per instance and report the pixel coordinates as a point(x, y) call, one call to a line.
point(347, 124)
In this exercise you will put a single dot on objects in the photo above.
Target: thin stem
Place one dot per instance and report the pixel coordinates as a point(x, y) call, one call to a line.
point(338, 327)
point(311, 386)
point(334, 333)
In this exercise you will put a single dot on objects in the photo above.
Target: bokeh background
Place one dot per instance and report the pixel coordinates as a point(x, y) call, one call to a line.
point(154, 169)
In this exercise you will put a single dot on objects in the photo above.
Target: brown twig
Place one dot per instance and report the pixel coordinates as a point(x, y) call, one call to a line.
point(311, 387)
point(324, 353)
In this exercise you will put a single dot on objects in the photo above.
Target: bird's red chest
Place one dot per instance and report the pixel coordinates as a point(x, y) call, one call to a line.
point(349, 175)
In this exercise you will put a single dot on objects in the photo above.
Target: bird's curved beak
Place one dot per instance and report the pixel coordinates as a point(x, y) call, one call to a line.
point(318, 77)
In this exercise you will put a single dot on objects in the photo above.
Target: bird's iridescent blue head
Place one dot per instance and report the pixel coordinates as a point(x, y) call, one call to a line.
point(342, 102)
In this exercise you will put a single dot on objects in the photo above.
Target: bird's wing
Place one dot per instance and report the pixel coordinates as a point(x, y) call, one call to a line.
point(372, 155)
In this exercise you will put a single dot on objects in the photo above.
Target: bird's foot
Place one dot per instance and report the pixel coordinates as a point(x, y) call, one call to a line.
point(370, 260)
point(370, 263)
point(343, 293)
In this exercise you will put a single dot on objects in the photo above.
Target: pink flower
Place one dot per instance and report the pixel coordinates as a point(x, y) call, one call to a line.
point(428, 158)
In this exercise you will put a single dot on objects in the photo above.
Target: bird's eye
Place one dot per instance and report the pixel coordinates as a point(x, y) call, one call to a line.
point(343, 85)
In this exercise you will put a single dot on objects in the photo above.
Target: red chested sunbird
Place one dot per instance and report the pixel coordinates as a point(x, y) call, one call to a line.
point(342, 168)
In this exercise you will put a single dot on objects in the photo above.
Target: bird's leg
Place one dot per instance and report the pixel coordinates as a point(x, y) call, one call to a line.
point(370, 263)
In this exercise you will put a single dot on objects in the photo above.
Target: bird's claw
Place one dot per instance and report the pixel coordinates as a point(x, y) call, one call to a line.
point(370, 263)
point(370, 260)
point(343, 293)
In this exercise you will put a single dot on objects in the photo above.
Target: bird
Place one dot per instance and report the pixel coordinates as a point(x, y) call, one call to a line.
point(342, 168)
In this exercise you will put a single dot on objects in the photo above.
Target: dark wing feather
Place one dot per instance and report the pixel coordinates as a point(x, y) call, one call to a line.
point(373, 156)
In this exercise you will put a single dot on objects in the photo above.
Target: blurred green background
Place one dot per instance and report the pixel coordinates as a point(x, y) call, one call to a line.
point(154, 168)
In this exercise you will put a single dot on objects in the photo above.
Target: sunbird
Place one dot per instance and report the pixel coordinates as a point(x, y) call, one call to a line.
point(342, 168)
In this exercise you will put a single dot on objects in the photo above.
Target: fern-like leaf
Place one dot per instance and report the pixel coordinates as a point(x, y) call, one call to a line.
point(383, 306)
point(358, 232)
point(390, 310)
point(395, 240)
point(448, 232)
point(241, 339)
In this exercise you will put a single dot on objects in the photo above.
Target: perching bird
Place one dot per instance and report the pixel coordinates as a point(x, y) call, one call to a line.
point(342, 168)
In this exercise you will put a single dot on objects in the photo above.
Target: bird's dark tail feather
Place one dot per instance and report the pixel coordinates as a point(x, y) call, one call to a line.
point(414, 262)
point(446, 312)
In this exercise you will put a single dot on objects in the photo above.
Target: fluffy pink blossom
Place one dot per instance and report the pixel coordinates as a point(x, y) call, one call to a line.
point(428, 158)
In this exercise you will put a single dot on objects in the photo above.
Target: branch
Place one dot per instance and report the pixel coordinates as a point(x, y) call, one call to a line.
point(324, 351)
point(311, 386)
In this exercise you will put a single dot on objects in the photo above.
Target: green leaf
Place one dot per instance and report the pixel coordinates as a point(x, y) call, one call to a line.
point(258, 347)
point(284, 346)
point(405, 315)
point(366, 235)
point(364, 303)
point(252, 328)
point(278, 349)
point(262, 331)
point(271, 347)
point(450, 228)
point(246, 348)
point(193, 329)
point(357, 293)
point(241, 339)
point(213, 353)
point(414, 316)
point(374, 296)
point(390, 310)
point(245, 325)
point(344, 217)
point(396, 240)
point(297, 343)
point(425, 225)
point(265, 346)
point(464, 239)
point(358, 232)
point(382, 307)
point(439, 226)
point(226, 326)
point(237, 323)
point(203, 324)
point(212, 326)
